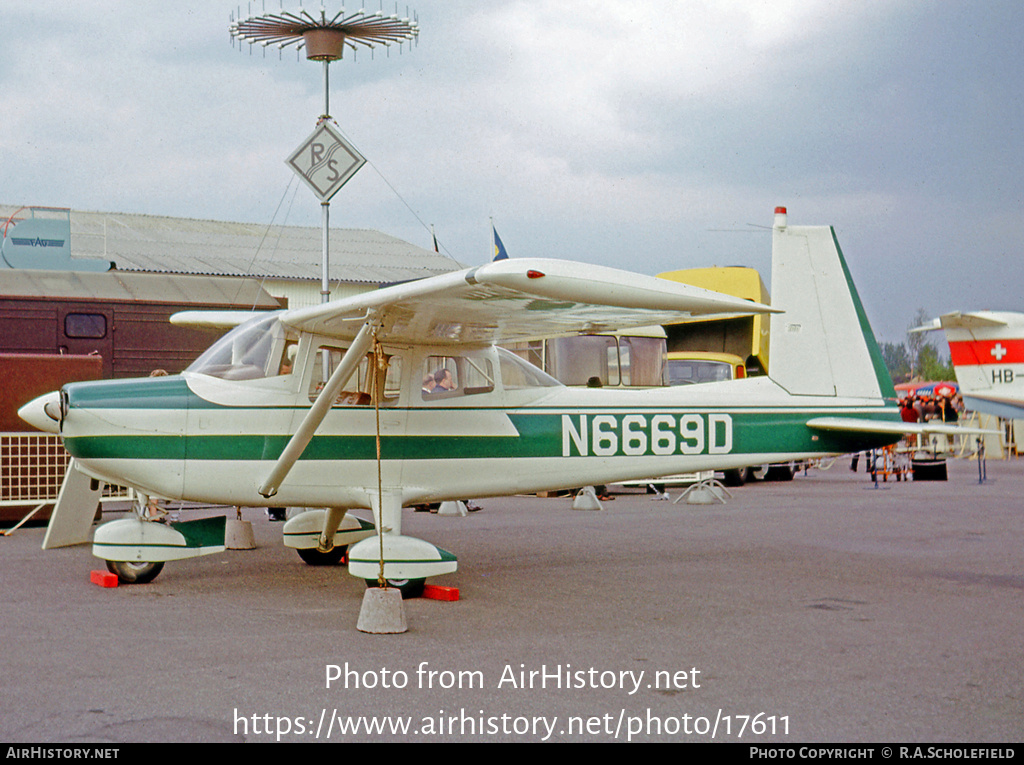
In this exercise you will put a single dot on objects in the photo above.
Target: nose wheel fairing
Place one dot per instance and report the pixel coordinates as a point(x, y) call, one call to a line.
point(136, 540)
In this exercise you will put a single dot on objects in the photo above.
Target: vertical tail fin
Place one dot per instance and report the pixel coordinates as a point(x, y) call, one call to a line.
point(987, 352)
point(822, 345)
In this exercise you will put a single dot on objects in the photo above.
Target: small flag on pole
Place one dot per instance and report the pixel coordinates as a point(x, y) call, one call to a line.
point(499, 248)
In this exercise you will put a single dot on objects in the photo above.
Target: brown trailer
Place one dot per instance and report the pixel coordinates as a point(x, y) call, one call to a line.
point(58, 327)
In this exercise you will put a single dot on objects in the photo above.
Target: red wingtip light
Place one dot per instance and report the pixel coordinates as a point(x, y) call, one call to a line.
point(531, 274)
point(780, 210)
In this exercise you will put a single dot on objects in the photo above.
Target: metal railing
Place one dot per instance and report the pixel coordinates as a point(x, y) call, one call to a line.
point(32, 468)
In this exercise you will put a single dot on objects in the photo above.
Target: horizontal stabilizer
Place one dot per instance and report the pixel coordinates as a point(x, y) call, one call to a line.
point(851, 425)
point(961, 320)
point(212, 319)
point(1007, 408)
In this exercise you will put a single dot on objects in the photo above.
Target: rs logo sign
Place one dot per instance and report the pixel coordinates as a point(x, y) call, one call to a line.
point(637, 435)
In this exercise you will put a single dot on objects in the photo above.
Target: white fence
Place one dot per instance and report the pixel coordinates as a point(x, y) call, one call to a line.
point(32, 467)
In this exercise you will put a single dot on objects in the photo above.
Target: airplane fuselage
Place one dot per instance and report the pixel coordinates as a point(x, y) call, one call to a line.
point(203, 439)
point(401, 396)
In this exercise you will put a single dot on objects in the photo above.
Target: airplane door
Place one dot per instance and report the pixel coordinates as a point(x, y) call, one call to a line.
point(348, 435)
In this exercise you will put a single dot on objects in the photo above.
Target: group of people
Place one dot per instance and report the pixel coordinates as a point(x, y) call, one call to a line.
point(925, 407)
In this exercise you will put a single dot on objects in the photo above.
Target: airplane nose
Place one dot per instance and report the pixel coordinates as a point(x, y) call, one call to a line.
point(43, 413)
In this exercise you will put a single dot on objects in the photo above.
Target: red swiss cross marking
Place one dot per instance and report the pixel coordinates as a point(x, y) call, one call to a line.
point(974, 352)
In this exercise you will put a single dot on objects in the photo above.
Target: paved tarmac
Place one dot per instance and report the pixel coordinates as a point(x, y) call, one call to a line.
point(821, 610)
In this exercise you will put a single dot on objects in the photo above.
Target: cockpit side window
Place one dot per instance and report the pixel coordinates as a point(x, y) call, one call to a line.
point(287, 363)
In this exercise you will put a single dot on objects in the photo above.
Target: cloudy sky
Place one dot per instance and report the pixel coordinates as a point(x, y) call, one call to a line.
point(649, 135)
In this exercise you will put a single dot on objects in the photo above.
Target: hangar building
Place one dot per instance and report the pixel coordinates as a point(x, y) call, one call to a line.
point(88, 294)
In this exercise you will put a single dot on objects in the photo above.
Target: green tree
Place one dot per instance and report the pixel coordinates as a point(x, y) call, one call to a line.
point(926, 361)
point(897, 361)
point(932, 366)
point(916, 341)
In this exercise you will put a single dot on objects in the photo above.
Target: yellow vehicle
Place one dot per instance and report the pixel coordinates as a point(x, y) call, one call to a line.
point(691, 367)
point(745, 337)
point(723, 349)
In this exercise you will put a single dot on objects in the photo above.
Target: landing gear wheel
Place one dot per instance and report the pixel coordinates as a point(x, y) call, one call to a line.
point(410, 588)
point(734, 476)
point(314, 557)
point(132, 572)
point(756, 473)
point(780, 473)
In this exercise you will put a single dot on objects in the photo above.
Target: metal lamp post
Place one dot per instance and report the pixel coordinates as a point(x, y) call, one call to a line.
point(325, 160)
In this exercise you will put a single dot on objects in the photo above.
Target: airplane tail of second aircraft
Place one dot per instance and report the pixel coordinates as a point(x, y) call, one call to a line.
point(822, 345)
point(987, 352)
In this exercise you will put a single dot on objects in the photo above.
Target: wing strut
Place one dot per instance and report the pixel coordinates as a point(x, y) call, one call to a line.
point(304, 433)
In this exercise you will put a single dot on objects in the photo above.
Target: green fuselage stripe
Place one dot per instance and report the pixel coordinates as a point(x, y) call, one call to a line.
point(540, 435)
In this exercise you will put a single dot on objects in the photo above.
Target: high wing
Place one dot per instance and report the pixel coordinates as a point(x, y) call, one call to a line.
point(513, 300)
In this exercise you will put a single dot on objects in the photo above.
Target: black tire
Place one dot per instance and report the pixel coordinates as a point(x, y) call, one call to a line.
point(755, 473)
point(780, 473)
point(134, 572)
point(733, 477)
point(314, 557)
point(410, 588)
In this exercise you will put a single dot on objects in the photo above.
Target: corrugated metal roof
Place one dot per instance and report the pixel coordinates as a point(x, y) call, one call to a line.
point(160, 244)
point(148, 288)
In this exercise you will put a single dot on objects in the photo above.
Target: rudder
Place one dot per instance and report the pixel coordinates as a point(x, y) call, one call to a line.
point(823, 344)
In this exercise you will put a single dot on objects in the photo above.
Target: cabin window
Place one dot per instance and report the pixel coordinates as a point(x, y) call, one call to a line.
point(357, 391)
point(585, 359)
point(642, 361)
point(602, 360)
point(452, 376)
point(85, 325)
point(287, 364)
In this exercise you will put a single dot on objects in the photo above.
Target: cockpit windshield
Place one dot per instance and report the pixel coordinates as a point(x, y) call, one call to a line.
point(251, 351)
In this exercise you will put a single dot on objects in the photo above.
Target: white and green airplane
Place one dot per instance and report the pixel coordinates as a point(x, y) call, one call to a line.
point(401, 396)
